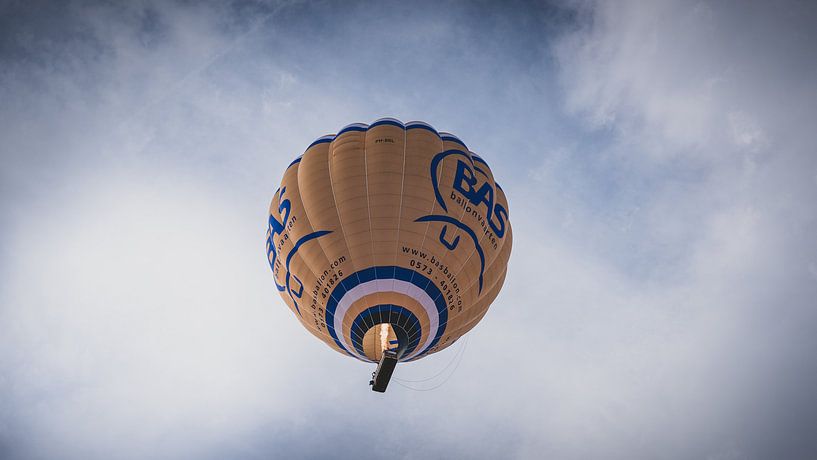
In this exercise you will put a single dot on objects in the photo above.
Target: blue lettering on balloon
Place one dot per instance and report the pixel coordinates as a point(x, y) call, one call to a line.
point(467, 183)
point(485, 195)
point(435, 164)
point(277, 228)
point(301, 242)
point(501, 214)
point(467, 230)
point(464, 180)
point(300, 292)
point(452, 245)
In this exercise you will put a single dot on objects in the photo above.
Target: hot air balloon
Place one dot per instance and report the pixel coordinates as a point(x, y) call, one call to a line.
point(388, 241)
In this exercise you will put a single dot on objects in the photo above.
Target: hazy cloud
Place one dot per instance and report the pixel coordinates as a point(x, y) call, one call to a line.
point(659, 164)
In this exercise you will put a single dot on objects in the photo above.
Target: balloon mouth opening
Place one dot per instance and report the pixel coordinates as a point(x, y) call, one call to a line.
point(382, 337)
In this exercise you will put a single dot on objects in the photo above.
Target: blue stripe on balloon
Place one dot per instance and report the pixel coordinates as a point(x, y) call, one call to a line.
point(393, 122)
point(479, 159)
point(353, 127)
point(386, 272)
point(322, 140)
point(295, 161)
point(421, 125)
point(361, 127)
point(452, 138)
point(387, 121)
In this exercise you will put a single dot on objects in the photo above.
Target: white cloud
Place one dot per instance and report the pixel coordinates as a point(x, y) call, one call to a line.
point(658, 304)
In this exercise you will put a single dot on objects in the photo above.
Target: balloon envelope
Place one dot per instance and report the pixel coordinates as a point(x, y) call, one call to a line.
point(389, 236)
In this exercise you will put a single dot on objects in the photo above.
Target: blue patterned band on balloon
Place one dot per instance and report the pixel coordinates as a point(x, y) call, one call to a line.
point(437, 313)
point(402, 320)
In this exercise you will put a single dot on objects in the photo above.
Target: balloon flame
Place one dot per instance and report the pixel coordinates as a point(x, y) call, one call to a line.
point(384, 337)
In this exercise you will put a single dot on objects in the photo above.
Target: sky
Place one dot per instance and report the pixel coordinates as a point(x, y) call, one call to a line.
point(660, 163)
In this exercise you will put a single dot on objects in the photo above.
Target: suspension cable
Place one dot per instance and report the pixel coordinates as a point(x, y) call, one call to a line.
point(457, 357)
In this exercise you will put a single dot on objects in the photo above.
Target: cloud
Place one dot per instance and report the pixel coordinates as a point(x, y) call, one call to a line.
point(694, 109)
point(658, 163)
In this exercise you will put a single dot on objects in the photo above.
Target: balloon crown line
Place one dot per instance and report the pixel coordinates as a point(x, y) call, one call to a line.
point(393, 122)
point(362, 127)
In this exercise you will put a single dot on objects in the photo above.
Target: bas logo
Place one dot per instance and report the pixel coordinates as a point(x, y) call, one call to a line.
point(465, 182)
point(478, 192)
point(281, 228)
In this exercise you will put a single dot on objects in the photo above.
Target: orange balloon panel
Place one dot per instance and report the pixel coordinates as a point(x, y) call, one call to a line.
point(389, 236)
